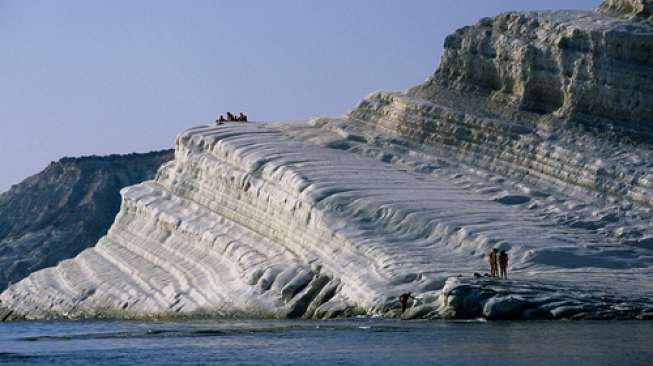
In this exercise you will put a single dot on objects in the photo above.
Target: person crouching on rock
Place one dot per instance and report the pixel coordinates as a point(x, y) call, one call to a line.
point(503, 264)
point(230, 117)
point(492, 258)
point(242, 117)
point(403, 300)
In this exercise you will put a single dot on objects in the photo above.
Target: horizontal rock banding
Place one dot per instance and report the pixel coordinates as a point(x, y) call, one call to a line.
point(263, 221)
point(532, 137)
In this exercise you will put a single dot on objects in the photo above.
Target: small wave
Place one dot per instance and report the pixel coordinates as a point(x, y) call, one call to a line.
point(475, 320)
point(210, 332)
point(9, 356)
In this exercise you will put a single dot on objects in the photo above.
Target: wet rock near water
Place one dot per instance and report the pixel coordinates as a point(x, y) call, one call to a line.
point(495, 299)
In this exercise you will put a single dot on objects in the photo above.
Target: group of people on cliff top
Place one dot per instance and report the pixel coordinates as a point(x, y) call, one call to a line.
point(494, 257)
point(502, 258)
point(231, 118)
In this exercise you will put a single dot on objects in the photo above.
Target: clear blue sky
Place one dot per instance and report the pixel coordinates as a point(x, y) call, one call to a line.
point(117, 76)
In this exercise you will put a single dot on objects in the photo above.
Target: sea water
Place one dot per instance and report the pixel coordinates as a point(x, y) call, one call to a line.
point(341, 342)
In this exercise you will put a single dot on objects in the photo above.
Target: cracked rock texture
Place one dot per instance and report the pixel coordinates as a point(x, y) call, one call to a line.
point(628, 9)
point(576, 65)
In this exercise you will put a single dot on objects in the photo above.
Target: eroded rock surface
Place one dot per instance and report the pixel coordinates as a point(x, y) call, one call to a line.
point(533, 136)
point(584, 66)
point(628, 9)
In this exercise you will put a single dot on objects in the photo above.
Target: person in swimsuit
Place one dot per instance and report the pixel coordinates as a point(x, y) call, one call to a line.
point(492, 258)
point(503, 264)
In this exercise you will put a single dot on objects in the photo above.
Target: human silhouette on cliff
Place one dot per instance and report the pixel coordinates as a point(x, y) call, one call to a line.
point(403, 300)
point(503, 264)
point(492, 258)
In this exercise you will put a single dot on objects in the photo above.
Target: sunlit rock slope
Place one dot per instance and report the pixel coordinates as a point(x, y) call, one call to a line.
point(65, 209)
point(533, 136)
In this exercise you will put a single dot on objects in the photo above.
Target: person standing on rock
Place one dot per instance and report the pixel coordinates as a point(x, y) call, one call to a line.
point(503, 264)
point(403, 300)
point(492, 258)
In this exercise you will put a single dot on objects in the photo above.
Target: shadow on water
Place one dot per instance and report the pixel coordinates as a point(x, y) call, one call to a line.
point(242, 329)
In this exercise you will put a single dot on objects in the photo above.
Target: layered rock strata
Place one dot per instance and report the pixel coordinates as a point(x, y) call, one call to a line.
point(279, 221)
point(578, 65)
point(532, 137)
point(639, 10)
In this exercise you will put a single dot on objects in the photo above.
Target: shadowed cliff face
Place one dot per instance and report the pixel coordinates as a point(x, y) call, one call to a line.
point(64, 209)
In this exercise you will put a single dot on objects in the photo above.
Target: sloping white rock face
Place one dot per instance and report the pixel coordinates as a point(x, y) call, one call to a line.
point(409, 193)
point(311, 221)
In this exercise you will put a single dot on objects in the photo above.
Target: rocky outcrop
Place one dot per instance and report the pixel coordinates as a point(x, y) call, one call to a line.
point(582, 66)
point(628, 9)
point(532, 137)
point(65, 209)
point(531, 300)
point(563, 97)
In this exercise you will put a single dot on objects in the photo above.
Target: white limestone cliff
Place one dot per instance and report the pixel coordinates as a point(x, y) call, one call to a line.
point(533, 137)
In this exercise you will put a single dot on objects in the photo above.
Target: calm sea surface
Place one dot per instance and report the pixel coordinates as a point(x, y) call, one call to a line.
point(351, 342)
